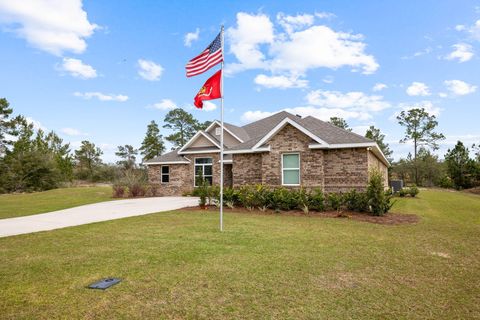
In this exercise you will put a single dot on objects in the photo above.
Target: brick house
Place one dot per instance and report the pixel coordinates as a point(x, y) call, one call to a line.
point(280, 150)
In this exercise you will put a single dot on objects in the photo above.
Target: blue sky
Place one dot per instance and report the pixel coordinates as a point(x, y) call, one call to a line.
point(102, 70)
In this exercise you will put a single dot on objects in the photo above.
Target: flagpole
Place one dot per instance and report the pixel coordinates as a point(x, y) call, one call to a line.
point(221, 140)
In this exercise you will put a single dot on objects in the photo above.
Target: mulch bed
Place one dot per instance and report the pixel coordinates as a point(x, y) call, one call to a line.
point(388, 219)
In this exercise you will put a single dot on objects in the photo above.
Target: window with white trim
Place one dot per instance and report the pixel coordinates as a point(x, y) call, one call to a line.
point(165, 173)
point(203, 166)
point(291, 169)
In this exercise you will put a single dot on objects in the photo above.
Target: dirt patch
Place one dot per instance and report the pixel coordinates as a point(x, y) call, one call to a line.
point(388, 219)
point(473, 190)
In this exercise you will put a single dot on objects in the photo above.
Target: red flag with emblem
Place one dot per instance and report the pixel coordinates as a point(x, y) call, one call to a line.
point(210, 90)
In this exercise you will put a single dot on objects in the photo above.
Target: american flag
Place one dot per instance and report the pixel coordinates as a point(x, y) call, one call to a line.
point(210, 57)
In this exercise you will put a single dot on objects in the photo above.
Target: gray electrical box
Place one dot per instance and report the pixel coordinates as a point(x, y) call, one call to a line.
point(396, 185)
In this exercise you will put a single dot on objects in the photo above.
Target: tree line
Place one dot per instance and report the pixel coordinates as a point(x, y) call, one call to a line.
point(34, 160)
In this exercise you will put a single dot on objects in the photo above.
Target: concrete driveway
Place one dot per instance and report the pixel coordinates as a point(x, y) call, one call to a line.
point(96, 212)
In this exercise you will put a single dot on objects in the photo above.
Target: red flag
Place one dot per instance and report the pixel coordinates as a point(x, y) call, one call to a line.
point(210, 90)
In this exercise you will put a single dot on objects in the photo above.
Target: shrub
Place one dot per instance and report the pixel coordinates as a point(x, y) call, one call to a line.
point(136, 190)
point(261, 196)
point(403, 192)
point(379, 203)
point(317, 200)
point(118, 191)
point(334, 201)
point(413, 191)
point(230, 197)
point(304, 200)
point(446, 182)
point(281, 199)
point(246, 197)
point(202, 191)
point(356, 201)
point(213, 195)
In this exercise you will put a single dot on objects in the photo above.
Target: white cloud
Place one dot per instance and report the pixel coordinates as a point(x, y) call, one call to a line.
point(463, 52)
point(324, 15)
point(251, 116)
point(442, 95)
point(328, 79)
point(281, 82)
point(191, 37)
point(54, 26)
point(427, 105)
point(37, 125)
point(459, 88)
point(418, 89)
point(76, 68)
point(304, 46)
point(251, 31)
point(326, 104)
point(209, 106)
point(101, 96)
point(149, 70)
point(320, 46)
point(379, 87)
point(292, 23)
point(165, 104)
point(355, 100)
point(473, 31)
point(73, 132)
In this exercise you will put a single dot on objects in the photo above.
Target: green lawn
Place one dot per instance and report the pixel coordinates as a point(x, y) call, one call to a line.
point(177, 265)
point(16, 205)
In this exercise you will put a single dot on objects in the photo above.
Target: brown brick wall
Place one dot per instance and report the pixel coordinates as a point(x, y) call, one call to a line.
point(247, 169)
point(375, 163)
point(181, 175)
point(345, 169)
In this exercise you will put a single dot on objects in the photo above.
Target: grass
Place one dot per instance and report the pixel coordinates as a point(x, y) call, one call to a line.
point(176, 265)
point(25, 204)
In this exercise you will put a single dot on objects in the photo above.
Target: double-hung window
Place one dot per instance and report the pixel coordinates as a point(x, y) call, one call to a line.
point(291, 169)
point(203, 167)
point(165, 174)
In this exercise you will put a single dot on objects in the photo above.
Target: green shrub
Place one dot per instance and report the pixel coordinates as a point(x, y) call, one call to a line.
point(413, 191)
point(202, 191)
point(317, 200)
point(403, 192)
point(282, 199)
point(230, 197)
point(334, 201)
point(261, 196)
point(246, 197)
point(379, 202)
point(446, 182)
point(304, 200)
point(356, 201)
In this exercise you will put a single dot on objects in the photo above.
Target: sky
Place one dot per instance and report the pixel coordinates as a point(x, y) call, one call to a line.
point(102, 70)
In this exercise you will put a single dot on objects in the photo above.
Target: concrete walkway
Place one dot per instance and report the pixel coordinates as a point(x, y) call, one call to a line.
point(96, 212)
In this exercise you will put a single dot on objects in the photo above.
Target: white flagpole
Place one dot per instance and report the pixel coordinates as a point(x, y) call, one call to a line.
point(221, 140)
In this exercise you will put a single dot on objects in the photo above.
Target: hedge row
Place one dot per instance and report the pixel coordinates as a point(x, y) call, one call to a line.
point(374, 201)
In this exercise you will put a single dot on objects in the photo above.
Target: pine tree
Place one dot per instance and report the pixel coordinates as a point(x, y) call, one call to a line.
point(128, 155)
point(419, 128)
point(183, 124)
point(339, 122)
point(152, 145)
point(375, 134)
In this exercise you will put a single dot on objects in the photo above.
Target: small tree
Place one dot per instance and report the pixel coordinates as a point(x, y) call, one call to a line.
point(460, 167)
point(340, 122)
point(7, 126)
point(152, 145)
point(375, 134)
point(88, 158)
point(183, 124)
point(419, 128)
point(128, 155)
point(379, 203)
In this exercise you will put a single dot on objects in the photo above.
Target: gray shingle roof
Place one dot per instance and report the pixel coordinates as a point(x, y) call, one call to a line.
point(330, 133)
point(253, 132)
point(171, 156)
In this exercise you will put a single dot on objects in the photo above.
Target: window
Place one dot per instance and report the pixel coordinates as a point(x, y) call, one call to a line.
point(203, 166)
point(165, 174)
point(291, 169)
